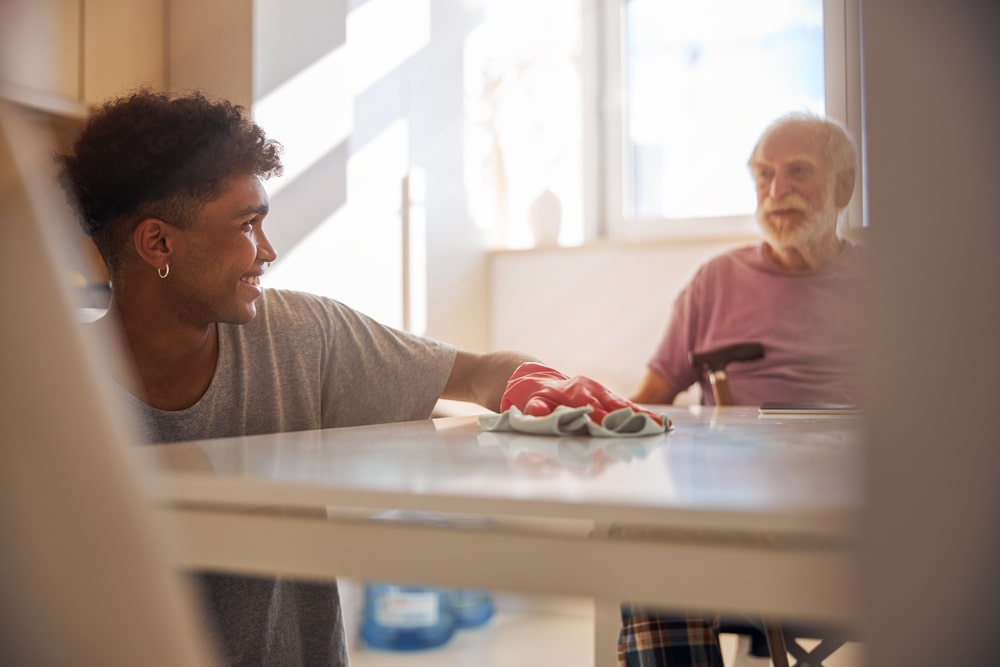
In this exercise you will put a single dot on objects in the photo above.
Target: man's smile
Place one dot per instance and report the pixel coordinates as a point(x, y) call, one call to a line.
point(251, 279)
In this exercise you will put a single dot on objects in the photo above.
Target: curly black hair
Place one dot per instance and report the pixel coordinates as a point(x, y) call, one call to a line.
point(153, 154)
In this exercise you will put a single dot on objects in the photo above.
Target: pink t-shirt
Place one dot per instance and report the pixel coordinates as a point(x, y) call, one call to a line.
point(803, 320)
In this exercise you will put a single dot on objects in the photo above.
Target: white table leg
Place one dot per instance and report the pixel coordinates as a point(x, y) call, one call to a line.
point(607, 622)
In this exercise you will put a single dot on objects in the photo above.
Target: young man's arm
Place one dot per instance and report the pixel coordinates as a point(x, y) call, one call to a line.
point(536, 389)
point(482, 378)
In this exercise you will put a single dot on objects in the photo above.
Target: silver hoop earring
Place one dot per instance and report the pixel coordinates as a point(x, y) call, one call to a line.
point(165, 272)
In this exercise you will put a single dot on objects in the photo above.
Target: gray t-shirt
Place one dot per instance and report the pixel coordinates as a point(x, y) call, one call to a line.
point(307, 362)
point(304, 362)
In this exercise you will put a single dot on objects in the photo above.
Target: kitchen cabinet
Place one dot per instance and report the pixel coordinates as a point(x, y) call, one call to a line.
point(61, 55)
point(124, 46)
point(39, 52)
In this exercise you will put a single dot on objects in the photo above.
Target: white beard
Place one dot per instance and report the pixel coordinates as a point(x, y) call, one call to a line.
point(811, 226)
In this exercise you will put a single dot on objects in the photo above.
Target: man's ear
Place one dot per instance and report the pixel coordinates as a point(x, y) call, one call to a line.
point(154, 241)
point(844, 188)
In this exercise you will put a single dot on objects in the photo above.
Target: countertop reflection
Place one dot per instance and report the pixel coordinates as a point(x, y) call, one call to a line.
point(727, 462)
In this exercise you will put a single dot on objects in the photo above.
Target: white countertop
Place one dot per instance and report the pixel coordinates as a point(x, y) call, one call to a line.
point(720, 468)
point(728, 512)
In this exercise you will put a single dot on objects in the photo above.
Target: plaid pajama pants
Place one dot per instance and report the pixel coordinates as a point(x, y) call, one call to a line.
point(649, 639)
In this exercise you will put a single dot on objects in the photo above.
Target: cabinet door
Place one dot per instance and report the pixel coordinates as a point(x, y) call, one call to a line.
point(40, 51)
point(123, 47)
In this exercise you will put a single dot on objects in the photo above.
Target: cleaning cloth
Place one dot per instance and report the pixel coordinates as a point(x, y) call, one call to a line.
point(564, 420)
point(543, 401)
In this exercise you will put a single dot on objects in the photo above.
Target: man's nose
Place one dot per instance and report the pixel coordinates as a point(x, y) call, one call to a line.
point(780, 186)
point(265, 251)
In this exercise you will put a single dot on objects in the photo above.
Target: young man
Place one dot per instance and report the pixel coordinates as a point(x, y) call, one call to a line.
point(792, 292)
point(169, 188)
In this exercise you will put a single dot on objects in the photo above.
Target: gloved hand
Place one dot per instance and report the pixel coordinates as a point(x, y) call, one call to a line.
point(536, 390)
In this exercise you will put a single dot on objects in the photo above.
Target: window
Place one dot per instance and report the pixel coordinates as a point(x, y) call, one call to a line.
point(688, 88)
point(523, 117)
point(633, 119)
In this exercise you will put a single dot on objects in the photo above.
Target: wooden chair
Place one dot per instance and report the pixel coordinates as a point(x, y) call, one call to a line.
point(769, 637)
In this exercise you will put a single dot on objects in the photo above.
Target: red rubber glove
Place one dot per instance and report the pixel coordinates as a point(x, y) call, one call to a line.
point(536, 389)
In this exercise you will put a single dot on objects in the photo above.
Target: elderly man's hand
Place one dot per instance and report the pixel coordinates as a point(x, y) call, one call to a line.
point(536, 389)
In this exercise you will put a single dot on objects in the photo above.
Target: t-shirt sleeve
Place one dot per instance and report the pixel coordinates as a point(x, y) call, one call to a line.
point(670, 360)
point(374, 373)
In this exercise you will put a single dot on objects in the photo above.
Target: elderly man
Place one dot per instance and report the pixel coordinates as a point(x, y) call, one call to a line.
point(791, 292)
point(788, 292)
point(170, 190)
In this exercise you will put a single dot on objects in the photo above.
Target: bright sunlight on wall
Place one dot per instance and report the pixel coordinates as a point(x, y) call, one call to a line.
point(523, 122)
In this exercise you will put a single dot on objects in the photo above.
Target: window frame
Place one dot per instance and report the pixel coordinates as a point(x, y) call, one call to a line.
point(605, 170)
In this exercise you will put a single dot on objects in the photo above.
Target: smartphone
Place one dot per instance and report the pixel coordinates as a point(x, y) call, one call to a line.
point(809, 409)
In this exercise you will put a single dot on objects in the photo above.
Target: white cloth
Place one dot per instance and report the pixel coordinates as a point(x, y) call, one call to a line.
point(575, 421)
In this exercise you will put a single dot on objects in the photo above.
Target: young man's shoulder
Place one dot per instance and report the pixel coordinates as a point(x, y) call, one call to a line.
point(274, 299)
point(278, 308)
point(284, 305)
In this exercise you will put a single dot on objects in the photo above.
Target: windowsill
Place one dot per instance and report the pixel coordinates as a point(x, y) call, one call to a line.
point(852, 233)
point(626, 243)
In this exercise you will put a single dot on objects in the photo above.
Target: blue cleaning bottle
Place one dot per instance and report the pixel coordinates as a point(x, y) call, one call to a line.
point(406, 618)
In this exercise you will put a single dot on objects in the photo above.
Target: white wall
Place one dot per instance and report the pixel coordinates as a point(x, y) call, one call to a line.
point(359, 94)
point(596, 310)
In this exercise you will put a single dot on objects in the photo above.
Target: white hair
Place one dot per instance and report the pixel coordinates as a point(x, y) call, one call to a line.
point(840, 150)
